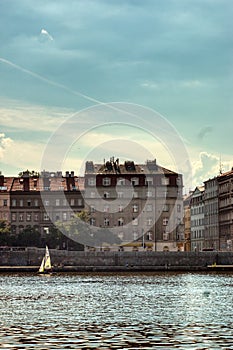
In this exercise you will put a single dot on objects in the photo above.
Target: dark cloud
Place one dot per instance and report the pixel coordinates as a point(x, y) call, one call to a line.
point(204, 131)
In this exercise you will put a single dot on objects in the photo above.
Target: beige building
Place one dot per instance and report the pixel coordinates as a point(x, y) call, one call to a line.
point(197, 219)
point(141, 204)
point(187, 222)
point(211, 219)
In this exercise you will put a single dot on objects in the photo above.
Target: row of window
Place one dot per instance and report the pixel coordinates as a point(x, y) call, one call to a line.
point(35, 202)
point(135, 208)
point(36, 216)
point(120, 221)
point(197, 222)
point(106, 181)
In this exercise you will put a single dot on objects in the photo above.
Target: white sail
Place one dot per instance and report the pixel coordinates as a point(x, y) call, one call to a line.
point(46, 262)
point(41, 269)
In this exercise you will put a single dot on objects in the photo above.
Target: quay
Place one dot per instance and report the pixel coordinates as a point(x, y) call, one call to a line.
point(29, 259)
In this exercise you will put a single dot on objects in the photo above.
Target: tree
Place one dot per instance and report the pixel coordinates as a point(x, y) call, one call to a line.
point(5, 233)
point(29, 237)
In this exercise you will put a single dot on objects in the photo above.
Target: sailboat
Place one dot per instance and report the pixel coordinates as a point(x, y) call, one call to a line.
point(46, 266)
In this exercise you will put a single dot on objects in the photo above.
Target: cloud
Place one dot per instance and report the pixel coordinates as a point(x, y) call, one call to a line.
point(204, 131)
point(207, 166)
point(5, 145)
point(44, 35)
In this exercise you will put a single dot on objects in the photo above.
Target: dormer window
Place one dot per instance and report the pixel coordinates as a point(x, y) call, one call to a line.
point(106, 181)
point(135, 181)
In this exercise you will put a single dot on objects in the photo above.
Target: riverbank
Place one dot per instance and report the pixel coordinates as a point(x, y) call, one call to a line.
point(29, 259)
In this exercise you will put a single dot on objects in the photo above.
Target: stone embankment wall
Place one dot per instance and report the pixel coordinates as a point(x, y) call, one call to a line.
point(111, 261)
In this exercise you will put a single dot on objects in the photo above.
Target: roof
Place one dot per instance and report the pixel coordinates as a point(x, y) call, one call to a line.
point(128, 167)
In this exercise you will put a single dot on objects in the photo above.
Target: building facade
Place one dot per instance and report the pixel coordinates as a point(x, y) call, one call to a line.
point(225, 183)
point(39, 201)
point(197, 219)
point(141, 204)
point(211, 217)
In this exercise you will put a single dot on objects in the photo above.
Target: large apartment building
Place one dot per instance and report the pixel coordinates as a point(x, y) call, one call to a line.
point(140, 203)
point(211, 217)
point(39, 201)
point(225, 183)
point(197, 219)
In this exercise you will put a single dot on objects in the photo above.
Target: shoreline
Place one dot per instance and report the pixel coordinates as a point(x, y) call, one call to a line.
point(112, 269)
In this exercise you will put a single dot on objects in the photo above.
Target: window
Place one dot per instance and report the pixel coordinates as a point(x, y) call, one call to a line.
point(92, 208)
point(5, 202)
point(46, 217)
point(21, 216)
point(106, 181)
point(21, 202)
point(46, 203)
point(36, 203)
point(149, 236)
point(106, 208)
point(135, 221)
point(106, 195)
point(121, 182)
point(149, 181)
point(149, 207)
point(92, 194)
point(166, 207)
point(135, 235)
point(91, 181)
point(149, 221)
point(13, 202)
point(65, 203)
point(21, 228)
point(46, 230)
point(120, 208)
point(165, 236)
point(120, 194)
point(57, 202)
point(29, 202)
point(120, 222)
point(64, 216)
point(92, 221)
point(28, 216)
point(106, 222)
point(57, 217)
point(178, 208)
point(80, 202)
point(149, 194)
point(13, 216)
point(135, 208)
point(135, 181)
point(165, 221)
point(165, 181)
point(135, 195)
point(72, 202)
point(36, 217)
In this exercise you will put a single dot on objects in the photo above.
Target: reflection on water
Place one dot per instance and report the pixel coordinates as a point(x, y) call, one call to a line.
point(140, 311)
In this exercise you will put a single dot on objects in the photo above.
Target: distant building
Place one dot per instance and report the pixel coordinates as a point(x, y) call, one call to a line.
point(5, 187)
point(225, 183)
point(187, 222)
point(141, 203)
point(39, 201)
point(197, 219)
point(211, 215)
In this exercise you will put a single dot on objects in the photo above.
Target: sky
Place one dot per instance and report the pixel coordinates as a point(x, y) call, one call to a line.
point(86, 80)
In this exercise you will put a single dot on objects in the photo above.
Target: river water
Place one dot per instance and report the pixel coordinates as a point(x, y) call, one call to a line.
point(116, 311)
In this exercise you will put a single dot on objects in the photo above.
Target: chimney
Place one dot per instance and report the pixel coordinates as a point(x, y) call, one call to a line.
point(1, 180)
